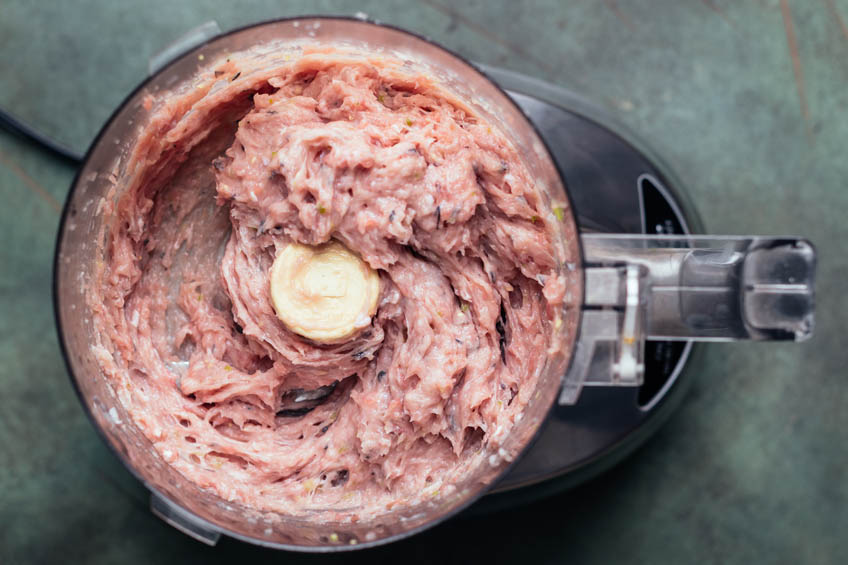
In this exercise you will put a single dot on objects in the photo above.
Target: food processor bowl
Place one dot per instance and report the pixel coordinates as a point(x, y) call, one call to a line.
point(84, 228)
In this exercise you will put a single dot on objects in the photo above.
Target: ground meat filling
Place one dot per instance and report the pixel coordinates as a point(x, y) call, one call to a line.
point(387, 163)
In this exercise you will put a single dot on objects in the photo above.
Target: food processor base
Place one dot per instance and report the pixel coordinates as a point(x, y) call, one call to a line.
point(617, 186)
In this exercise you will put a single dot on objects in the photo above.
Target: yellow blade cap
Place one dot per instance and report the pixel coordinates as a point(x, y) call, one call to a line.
point(325, 293)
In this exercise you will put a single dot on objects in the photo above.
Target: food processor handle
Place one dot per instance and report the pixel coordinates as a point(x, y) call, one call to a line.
point(688, 288)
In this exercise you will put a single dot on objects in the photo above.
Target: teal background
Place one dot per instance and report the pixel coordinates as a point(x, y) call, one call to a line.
point(746, 99)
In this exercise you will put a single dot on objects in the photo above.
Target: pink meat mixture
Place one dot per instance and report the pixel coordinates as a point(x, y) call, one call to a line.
point(402, 173)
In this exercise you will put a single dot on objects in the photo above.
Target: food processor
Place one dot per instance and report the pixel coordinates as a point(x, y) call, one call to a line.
point(645, 286)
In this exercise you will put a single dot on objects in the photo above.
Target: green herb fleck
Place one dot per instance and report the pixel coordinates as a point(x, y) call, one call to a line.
point(534, 219)
point(464, 307)
point(558, 212)
point(322, 210)
point(381, 98)
point(227, 368)
point(408, 122)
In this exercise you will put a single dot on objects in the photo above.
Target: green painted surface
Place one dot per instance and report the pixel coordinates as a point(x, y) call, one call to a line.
point(751, 469)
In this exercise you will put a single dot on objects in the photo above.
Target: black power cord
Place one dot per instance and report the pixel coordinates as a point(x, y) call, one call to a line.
point(14, 125)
